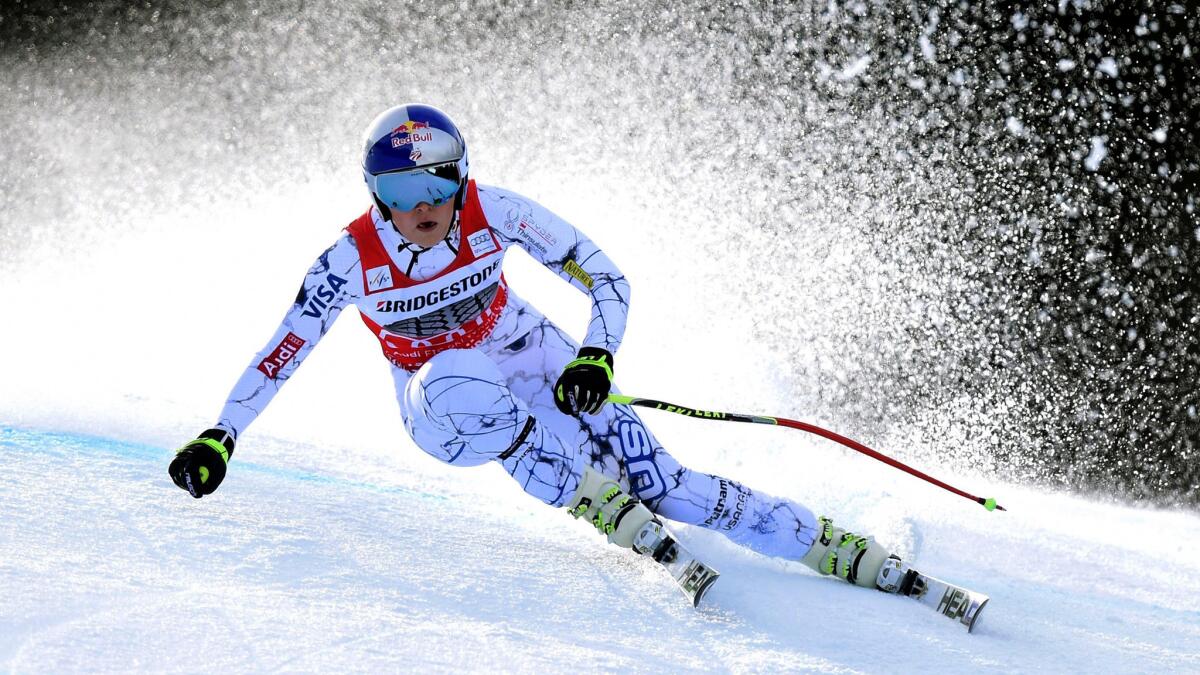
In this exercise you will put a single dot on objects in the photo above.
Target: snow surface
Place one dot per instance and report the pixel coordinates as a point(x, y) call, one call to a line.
point(107, 566)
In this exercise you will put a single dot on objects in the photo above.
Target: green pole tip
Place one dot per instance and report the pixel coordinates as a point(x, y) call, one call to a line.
point(990, 504)
point(620, 399)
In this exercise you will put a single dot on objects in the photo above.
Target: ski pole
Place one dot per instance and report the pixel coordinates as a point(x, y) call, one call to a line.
point(989, 503)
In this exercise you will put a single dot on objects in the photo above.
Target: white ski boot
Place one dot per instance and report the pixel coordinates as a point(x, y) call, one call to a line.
point(858, 560)
point(630, 524)
point(863, 562)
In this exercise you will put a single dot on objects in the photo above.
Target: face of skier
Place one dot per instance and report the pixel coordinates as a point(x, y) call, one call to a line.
point(425, 225)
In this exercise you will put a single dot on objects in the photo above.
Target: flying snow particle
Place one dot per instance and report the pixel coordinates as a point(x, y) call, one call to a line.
point(1066, 65)
point(1019, 21)
point(1097, 155)
point(1014, 126)
point(927, 49)
point(1035, 255)
point(1160, 134)
point(1198, 234)
point(855, 68)
point(1108, 66)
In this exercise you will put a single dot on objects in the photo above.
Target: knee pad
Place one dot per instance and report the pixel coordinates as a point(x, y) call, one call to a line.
point(609, 507)
point(858, 560)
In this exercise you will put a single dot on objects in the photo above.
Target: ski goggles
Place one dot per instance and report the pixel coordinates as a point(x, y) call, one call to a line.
point(403, 190)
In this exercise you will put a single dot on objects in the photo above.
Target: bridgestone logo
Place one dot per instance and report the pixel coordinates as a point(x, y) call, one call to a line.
point(440, 295)
point(447, 318)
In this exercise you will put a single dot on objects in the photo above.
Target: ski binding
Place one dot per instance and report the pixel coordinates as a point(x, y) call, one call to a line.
point(952, 601)
point(694, 577)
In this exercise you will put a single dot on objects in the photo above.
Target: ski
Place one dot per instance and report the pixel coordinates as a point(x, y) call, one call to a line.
point(958, 603)
point(693, 576)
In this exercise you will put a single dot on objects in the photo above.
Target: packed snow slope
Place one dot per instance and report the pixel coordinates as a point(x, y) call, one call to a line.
point(316, 558)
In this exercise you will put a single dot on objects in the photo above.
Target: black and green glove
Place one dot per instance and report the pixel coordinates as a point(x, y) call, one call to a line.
point(199, 466)
point(584, 384)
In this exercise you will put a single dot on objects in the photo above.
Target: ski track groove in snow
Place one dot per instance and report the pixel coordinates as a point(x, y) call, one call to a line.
point(108, 567)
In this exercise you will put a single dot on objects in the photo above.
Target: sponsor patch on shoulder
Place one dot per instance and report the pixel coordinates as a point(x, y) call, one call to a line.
point(482, 243)
point(284, 352)
point(379, 279)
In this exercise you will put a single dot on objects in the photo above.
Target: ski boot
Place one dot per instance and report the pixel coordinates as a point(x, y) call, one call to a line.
point(863, 562)
point(628, 523)
point(858, 560)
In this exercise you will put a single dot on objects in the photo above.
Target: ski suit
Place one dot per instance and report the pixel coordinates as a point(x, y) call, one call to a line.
point(474, 364)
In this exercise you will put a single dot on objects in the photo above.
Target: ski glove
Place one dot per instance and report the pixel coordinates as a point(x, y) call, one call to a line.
point(584, 384)
point(199, 466)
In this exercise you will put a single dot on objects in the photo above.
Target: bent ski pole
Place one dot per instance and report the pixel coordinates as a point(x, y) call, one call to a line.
point(989, 503)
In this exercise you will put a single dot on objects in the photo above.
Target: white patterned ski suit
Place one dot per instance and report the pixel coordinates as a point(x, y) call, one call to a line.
point(490, 360)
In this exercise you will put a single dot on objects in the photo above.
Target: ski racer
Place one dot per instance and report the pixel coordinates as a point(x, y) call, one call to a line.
point(483, 376)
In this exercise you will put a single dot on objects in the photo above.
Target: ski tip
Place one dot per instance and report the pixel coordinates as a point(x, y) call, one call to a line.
point(700, 592)
point(975, 617)
point(991, 505)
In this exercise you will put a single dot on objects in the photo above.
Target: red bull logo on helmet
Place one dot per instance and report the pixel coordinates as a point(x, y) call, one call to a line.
point(411, 132)
point(409, 127)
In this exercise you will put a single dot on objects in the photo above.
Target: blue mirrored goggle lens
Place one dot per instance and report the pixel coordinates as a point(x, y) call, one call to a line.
point(404, 190)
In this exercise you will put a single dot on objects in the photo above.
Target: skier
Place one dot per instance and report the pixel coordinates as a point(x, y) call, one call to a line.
point(481, 375)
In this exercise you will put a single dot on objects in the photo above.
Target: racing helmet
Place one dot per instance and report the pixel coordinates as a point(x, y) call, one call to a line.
point(414, 153)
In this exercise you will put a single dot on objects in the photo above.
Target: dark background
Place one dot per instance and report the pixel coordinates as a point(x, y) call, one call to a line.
point(1008, 190)
point(1080, 279)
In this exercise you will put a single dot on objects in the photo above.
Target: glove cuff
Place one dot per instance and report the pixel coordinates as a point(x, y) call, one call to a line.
point(219, 440)
point(221, 436)
point(595, 356)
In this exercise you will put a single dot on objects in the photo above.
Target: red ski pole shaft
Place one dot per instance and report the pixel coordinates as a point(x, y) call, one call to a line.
point(989, 503)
